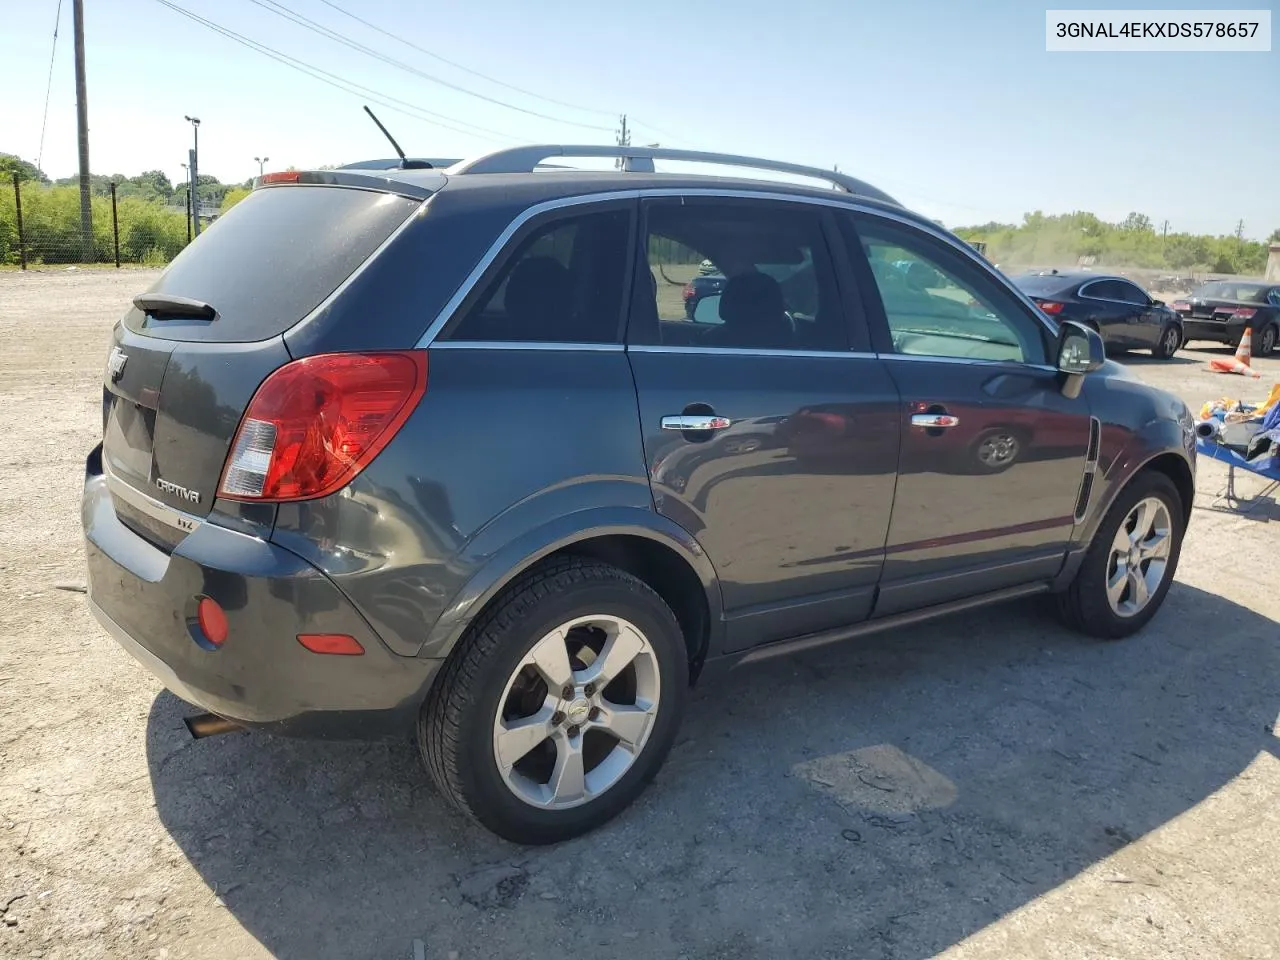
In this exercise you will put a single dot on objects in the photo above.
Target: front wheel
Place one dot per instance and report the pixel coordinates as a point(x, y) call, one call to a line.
point(1168, 344)
point(560, 704)
point(1130, 564)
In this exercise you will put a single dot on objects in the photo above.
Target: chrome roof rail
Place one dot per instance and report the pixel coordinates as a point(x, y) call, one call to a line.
point(640, 160)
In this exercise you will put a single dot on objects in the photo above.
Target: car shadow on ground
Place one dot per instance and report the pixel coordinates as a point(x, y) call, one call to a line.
point(1142, 359)
point(886, 798)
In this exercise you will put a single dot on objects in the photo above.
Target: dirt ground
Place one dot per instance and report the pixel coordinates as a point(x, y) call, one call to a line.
point(986, 786)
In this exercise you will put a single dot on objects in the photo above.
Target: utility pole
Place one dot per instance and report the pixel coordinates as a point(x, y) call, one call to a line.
point(82, 132)
point(186, 172)
point(1240, 232)
point(195, 175)
point(624, 140)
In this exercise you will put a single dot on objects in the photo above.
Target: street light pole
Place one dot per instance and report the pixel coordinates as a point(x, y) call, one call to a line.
point(195, 175)
point(186, 172)
point(261, 163)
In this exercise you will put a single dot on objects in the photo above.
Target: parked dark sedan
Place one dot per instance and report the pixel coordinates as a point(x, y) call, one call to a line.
point(1222, 309)
point(1125, 314)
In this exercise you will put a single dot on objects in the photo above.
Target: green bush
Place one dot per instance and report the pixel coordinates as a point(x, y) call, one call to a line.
point(149, 232)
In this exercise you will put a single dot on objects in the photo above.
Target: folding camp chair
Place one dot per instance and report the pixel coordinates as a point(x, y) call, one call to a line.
point(1266, 467)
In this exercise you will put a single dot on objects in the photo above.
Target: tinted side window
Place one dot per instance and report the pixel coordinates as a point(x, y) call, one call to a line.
point(562, 283)
point(738, 274)
point(1103, 290)
point(1131, 294)
point(939, 303)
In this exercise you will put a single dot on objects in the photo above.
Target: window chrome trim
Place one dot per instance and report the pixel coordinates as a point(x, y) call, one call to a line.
point(1128, 303)
point(841, 201)
point(574, 346)
point(969, 361)
point(174, 519)
point(745, 351)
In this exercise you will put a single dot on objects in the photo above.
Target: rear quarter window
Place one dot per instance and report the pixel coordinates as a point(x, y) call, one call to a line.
point(272, 259)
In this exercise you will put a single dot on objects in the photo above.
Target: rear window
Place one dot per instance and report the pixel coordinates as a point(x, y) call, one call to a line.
point(272, 259)
point(1037, 285)
point(1240, 292)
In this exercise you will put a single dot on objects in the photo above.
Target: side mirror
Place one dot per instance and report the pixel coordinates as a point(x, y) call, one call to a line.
point(1157, 303)
point(708, 310)
point(1080, 351)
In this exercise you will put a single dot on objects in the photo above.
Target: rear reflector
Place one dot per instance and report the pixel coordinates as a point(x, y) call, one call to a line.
point(284, 176)
point(317, 422)
point(338, 644)
point(1050, 306)
point(212, 620)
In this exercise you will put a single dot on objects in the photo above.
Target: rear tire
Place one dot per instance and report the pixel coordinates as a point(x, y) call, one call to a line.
point(1168, 344)
point(1267, 340)
point(1092, 604)
point(502, 677)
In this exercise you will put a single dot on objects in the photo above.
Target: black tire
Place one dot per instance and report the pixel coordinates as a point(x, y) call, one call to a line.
point(1083, 605)
point(1168, 344)
point(456, 723)
point(1267, 340)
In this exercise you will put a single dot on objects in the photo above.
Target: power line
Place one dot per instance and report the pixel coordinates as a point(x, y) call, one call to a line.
point(464, 69)
point(347, 86)
point(281, 10)
point(44, 122)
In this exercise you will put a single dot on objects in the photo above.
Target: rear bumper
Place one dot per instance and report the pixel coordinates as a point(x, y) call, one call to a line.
point(1217, 330)
point(261, 676)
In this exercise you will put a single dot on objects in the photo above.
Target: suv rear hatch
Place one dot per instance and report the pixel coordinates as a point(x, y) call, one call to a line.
point(187, 358)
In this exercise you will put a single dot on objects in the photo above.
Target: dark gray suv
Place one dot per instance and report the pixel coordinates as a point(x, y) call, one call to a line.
point(440, 450)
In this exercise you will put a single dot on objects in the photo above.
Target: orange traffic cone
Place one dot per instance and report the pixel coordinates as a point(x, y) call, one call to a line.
point(1240, 362)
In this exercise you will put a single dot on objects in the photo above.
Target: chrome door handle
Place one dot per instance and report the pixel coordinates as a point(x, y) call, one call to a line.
point(697, 421)
point(934, 420)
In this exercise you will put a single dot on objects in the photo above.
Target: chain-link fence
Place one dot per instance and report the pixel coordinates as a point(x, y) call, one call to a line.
point(42, 224)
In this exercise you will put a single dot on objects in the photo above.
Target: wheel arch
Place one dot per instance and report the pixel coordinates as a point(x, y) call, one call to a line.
point(644, 543)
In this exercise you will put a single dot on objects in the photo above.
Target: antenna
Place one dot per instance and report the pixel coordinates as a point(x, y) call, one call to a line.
point(385, 132)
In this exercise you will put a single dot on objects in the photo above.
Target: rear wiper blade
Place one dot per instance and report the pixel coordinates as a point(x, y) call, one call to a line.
point(164, 305)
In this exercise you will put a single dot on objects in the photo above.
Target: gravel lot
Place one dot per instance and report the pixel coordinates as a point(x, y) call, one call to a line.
point(990, 785)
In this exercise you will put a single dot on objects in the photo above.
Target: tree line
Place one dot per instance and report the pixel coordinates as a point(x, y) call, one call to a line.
point(1048, 240)
point(151, 211)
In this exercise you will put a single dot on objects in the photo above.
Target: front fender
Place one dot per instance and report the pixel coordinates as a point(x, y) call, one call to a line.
point(1155, 438)
point(538, 527)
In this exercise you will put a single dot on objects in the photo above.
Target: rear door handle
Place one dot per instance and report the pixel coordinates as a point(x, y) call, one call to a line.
point(934, 420)
point(696, 421)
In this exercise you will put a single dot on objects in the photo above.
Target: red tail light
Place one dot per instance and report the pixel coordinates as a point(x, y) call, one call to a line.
point(1180, 305)
point(1243, 313)
point(688, 291)
point(317, 422)
point(1051, 307)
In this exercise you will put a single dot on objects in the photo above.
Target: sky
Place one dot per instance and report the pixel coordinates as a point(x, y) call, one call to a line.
point(956, 109)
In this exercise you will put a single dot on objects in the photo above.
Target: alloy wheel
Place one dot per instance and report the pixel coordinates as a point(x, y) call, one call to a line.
point(1139, 557)
point(577, 712)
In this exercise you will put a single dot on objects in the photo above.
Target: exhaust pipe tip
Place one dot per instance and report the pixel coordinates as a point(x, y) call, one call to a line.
point(209, 725)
